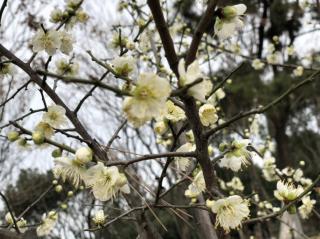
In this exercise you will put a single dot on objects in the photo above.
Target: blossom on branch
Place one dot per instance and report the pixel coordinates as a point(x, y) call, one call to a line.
point(49, 41)
point(105, 182)
point(148, 99)
point(48, 223)
point(123, 65)
point(190, 75)
point(69, 169)
point(287, 191)
point(237, 156)
point(230, 211)
point(229, 21)
point(55, 116)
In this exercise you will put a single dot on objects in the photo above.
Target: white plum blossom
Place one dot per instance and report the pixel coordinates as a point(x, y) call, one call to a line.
point(230, 21)
point(269, 169)
point(208, 114)
point(274, 58)
point(218, 95)
point(160, 127)
point(182, 163)
point(174, 113)
point(193, 73)
point(148, 99)
point(55, 116)
point(298, 174)
point(48, 223)
point(45, 128)
point(235, 184)
point(237, 156)
point(83, 155)
point(290, 50)
point(49, 41)
point(105, 182)
point(66, 68)
point(21, 223)
point(306, 208)
point(230, 211)
point(67, 41)
point(298, 71)
point(123, 65)
point(99, 218)
point(69, 169)
point(271, 48)
point(197, 186)
point(6, 69)
point(257, 64)
point(287, 191)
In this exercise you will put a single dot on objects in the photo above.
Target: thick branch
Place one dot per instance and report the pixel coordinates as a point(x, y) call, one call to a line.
point(205, 21)
point(164, 33)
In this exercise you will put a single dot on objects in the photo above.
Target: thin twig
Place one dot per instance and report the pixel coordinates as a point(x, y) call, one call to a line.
point(11, 212)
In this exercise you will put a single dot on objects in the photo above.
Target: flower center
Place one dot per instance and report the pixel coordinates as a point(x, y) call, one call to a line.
point(54, 116)
point(143, 93)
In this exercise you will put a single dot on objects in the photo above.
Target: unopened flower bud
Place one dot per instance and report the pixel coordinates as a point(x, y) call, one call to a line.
point(13, 136)
point(84, 155)
point(58, 188)
point(70, 194)
point(56, 153)
point(38, 137)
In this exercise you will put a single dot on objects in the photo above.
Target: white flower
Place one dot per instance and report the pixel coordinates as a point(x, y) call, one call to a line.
point(148, 99)
point(106, 181)
point(48, 41)
point(45, 128)
point(123, 65)
point(99, 218)
point(83, 155)
point(305, 182)
point(69, 169)
point(21, 224)
point(217, 96)
point(271, 48)
point(193, 73)
point(238, 155)
point(288, 171)
point(56, 15)
point(287, 191)
point(298, 71)
point(306, 208)
point(48, 223)
point(269, 169)
point(230, 21)
point(66, 42)
point(160, 127)
point(257, 64)
point(274, 58)
point(6, 68)
point(235, 184)
point(118, 40)
point(231, 211)
point(174, 113)
point(8, 218)
point(298, 174)
point(197, 186)
point(55, 116)
point(66, 68)
point(290, 50)
point(182, 163)
point(144, 41)
point(82, 16)
point(208, 114)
